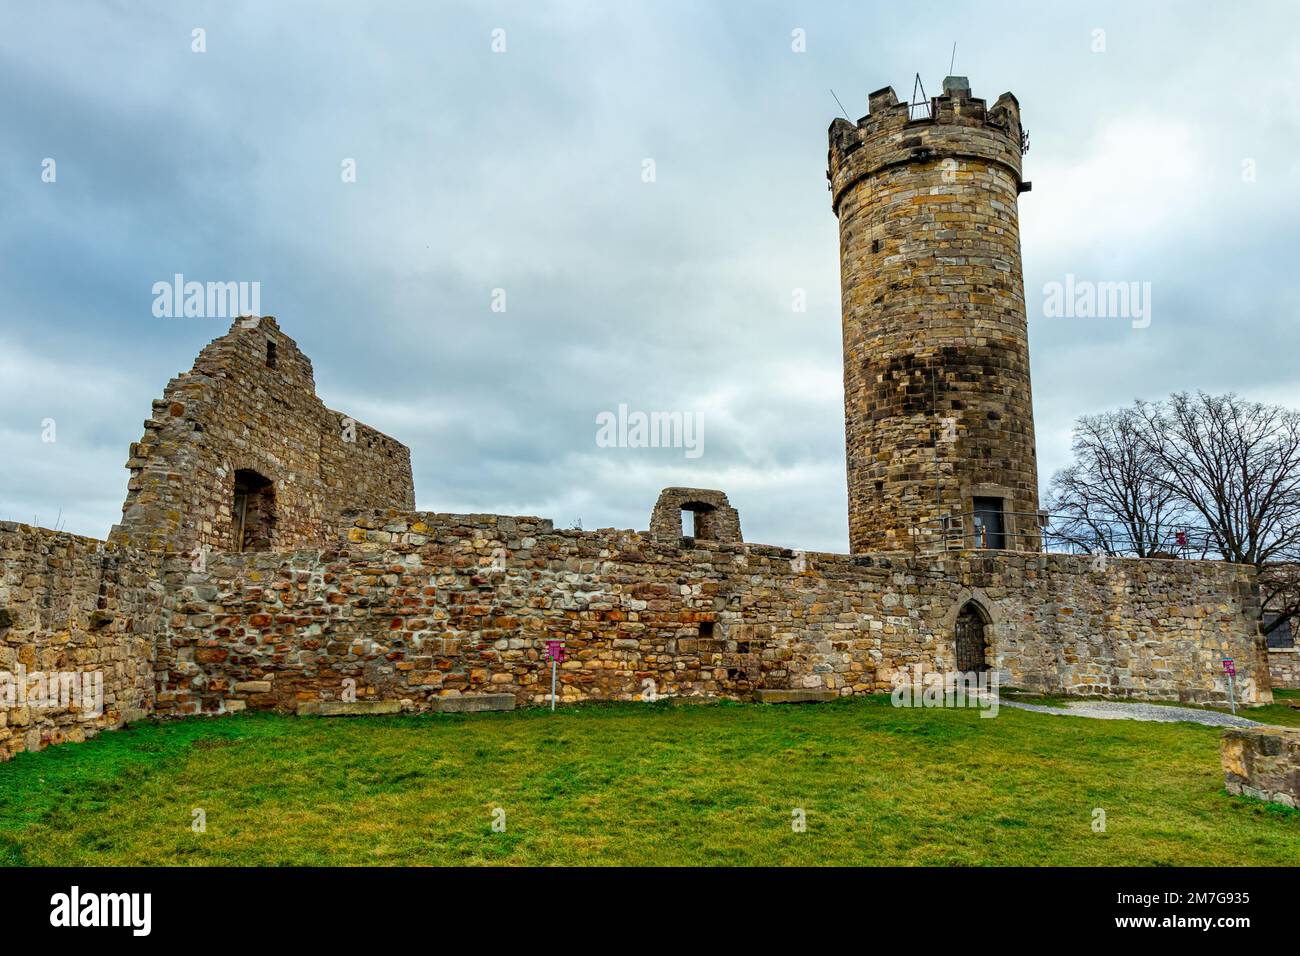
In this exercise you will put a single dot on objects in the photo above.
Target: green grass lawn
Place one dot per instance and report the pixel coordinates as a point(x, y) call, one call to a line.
point(641, 784)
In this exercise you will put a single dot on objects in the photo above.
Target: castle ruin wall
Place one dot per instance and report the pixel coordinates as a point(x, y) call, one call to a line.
point(248, 410)
point(414, 607)
point(78, 615)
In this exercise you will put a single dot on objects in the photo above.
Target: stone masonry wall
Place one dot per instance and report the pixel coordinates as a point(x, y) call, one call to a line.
point(416, 606)
point(72, 604)
point(250, 403)
point(1284, 667)
point(1262, 762)
point(937, 402)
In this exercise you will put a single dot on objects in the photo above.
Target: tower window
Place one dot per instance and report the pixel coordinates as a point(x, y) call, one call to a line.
point(875, 245)
point(270, 354)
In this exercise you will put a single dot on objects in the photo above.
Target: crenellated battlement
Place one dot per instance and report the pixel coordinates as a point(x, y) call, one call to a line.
point(958, 126)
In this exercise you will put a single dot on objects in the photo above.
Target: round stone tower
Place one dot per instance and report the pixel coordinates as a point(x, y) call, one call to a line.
point(939, 425)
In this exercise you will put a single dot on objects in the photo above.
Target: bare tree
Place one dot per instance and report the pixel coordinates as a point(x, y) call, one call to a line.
point(1110, 498)
point(1236, 466)
point(1215, 473)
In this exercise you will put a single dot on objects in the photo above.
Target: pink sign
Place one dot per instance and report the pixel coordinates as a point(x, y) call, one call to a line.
point(555, 650)
point(1229, 667)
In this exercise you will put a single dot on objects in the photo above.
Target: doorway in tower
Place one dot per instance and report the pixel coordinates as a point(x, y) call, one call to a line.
point(972, 640)
point(990, 529)
point(252, 511)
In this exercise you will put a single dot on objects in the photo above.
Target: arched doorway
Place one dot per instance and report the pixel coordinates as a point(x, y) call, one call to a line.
point(252, 511)
point(972, 639)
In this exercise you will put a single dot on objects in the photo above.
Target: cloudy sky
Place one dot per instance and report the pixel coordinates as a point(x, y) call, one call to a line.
point(1168, 156)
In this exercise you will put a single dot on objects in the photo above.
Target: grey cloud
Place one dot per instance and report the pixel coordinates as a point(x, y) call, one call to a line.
point(523, 171)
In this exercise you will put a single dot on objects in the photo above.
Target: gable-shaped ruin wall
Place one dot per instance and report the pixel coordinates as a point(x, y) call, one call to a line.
point(248, 410)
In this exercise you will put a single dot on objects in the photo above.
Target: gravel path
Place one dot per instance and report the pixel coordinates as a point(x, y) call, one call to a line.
point(1116, 710)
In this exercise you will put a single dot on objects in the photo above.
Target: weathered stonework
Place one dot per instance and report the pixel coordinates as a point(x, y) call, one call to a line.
point(1262, 762)
point(420, 607)
point(249, 406)
point(421, 611)
point(937, 407)
point(73, 605)
point(1284, 667)
point(269, 557)
point(714, 518)
point(1281, 583)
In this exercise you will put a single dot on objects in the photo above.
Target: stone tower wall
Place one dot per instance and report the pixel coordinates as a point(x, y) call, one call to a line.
point(936, 355)
point(250, 403)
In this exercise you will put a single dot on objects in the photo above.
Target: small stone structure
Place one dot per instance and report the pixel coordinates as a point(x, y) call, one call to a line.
point(1262, 762)
point(713, 518)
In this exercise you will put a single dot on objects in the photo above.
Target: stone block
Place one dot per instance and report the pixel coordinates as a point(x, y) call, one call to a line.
point(1262, 762)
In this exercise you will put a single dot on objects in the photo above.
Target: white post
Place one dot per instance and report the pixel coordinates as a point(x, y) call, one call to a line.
point(553, 684)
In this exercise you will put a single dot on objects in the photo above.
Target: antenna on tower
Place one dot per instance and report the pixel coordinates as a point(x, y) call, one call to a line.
point(953, 62)
point(923, 103)
point(841, 105)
